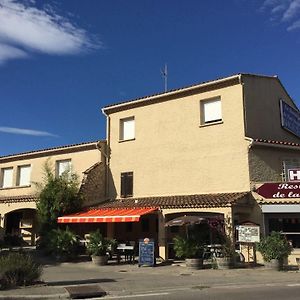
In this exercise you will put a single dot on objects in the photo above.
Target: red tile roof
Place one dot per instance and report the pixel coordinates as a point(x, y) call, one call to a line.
point(233, 79)
point(16, 199)
point(183, 201)
point(46, 150)
point(273, 142)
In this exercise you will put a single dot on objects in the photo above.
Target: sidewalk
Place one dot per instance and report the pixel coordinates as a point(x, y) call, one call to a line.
point(120, 280)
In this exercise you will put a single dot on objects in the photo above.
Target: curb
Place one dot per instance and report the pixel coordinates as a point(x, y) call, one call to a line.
point(51, 296)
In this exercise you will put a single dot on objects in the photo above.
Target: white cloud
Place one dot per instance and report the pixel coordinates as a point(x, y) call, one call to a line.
point(295, 25)
point(22, 131)
point(292, 10)
point(9, 52)
point(283, 11)
point(29, 29)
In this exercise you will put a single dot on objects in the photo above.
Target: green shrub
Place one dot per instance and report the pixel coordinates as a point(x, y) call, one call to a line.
point(62, 243)
point(98, 245)
point(187, 247)
point(18, 269)
point(274, 246)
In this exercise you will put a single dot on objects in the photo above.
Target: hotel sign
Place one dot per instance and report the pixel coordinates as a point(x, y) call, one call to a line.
point(290, 118)
point(279, 190)
point(294, 174)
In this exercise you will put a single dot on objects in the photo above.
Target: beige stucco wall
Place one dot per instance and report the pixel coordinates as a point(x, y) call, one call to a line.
point(266, 163)
point(172, 154)
point(262, 109)
point(80, 161)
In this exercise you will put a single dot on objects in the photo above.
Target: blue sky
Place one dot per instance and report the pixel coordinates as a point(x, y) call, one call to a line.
point(62, 61)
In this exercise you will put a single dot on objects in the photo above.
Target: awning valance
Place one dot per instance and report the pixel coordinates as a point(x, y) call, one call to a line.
point(107, 215)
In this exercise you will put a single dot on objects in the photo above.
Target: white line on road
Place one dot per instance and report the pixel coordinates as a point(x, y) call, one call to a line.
point(294, 284)
point(134, 296)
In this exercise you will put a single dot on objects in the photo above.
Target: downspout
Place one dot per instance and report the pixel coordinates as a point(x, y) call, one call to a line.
point(107, 155)
point(246, 128)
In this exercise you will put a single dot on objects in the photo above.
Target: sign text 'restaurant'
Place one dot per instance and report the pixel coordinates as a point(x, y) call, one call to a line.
point(279, 190)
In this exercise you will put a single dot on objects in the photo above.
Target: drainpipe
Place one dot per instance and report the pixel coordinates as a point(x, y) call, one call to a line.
point(244, 104)
point(107, 154)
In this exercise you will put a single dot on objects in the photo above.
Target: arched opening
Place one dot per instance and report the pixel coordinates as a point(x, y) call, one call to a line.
point(20, 227)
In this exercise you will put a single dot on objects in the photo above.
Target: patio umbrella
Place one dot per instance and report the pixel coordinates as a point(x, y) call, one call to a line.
point(185, 220)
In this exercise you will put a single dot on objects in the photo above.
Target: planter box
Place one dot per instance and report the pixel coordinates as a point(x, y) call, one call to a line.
point(194, 263)
point(100, 260)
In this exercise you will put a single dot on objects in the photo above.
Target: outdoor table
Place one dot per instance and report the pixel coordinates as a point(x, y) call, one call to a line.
point(127, 250)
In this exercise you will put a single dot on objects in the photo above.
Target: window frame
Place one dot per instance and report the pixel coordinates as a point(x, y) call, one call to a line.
point(57, 164)
point(203, 102)
point(126, 186)
point(18, 183)
point(122, 136)
point(2, 177)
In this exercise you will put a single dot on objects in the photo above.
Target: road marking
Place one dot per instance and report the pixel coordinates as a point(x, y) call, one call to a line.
point(135, 296)
point(294, 284)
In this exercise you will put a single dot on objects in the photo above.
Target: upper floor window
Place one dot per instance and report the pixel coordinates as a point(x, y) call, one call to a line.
point(24, 175)
point(127, 129)
point(126, 184)
point(6, 177)
point(291, 169)
point(211, 111)
point(63, 167)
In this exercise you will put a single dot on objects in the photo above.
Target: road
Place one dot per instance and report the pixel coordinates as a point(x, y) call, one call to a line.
point(250, 292)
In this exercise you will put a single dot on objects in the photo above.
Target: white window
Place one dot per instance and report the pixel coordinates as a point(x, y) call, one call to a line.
point(290, 165)
point(7, 177)
point(24, 173)
point(63, 167)
point(211, 111)
point(127, 129)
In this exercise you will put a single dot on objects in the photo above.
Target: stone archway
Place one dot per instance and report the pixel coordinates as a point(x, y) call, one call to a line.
point(20, 224)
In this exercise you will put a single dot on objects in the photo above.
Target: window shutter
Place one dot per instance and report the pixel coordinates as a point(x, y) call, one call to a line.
point(212, 111)
point(7, 177)
point(126, 184)
point(128, 129)
point(123, 185)
point(24, 175)
point(63, 166)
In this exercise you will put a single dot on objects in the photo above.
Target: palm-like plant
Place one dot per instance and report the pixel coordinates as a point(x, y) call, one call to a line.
point(98, 245)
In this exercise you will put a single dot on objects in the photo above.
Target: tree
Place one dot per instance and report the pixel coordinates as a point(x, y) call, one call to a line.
point(57, 196)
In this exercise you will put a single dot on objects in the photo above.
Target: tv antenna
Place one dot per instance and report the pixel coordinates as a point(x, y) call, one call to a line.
point(164, 74)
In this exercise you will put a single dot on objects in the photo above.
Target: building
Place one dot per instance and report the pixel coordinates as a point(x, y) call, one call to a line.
point(215, 149)
point(20, 172)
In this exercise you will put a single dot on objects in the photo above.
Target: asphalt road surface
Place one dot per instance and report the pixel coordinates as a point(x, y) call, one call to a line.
point(251, 292)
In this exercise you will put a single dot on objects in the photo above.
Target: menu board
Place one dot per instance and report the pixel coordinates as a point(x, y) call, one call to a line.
point(146, 252)
point(248, 234)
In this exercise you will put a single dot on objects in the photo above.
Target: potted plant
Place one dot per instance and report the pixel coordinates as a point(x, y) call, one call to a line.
point(98, 247)
point(62, 243)
point(191, 250)
point(226, 255)
point(274, 249)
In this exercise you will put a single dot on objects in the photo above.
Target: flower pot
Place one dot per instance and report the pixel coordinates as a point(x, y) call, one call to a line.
point(100, 260)
point(274, 264)
point(224, 263)
point(194, 263)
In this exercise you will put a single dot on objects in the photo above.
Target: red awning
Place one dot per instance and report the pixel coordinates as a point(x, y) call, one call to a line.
point(107, 215)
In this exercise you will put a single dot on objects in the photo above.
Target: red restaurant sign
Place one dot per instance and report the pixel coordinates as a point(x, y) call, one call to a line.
point(279, 190)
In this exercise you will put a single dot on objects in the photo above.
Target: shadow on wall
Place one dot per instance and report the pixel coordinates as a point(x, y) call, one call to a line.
point(112, 192)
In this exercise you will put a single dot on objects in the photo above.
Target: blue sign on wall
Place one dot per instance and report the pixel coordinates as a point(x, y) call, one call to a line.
point(146, 252)
point(290, 118)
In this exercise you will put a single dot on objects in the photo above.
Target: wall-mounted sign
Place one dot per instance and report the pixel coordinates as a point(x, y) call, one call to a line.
point(290, 118)
point(279, 190)
point(248, 234)
point(294, 174)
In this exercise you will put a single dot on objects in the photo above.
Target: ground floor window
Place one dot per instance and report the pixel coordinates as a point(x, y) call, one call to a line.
point(288, 224)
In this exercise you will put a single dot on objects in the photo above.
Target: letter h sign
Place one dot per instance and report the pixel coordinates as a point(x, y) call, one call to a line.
point(294, 174)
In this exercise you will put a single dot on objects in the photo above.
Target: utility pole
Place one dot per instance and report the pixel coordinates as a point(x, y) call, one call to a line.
point(164, 73)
